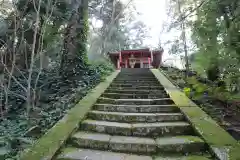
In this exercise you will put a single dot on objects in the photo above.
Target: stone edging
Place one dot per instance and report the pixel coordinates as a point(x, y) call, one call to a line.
point(47, 146)
point(221, 143)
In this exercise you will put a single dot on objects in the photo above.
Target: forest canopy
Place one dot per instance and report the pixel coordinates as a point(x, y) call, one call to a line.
point(207, 36)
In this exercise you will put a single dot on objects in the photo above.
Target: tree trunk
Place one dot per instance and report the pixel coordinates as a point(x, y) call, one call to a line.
point(74, 50)
point(184, 38)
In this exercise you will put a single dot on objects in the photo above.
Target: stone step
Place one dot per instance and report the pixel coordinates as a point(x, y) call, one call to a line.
point(135, 91)
point(134, 96)
point(134, 78)
point(187, 157)
point(135, 71)
point(148, 75)
point(140, 71)
point(116, 87)
point(137, 108)
point(107, 127)
point(155, 82)
point(180, 144)
point(91, 154)
point(129, 74)
point(135, 75)
point(132, 144)
point(160, 101)
point(135, 117)
point(137, 129)
point(136, 81)
point(114, 143)
point(161, 129)
point(91, 140)
point(135, 85)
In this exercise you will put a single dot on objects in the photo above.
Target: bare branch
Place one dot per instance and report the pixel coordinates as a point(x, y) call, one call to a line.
point(5, 67)
point(182, 18)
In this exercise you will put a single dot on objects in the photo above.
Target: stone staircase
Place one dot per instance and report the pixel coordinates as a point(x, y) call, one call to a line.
point(135, 119)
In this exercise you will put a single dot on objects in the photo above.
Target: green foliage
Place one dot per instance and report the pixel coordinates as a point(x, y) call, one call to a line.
point(103, 67)
point(197, 89)
point(187, 91)
point(214, 38)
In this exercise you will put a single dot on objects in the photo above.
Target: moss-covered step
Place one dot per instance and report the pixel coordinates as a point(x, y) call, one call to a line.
point(221, 143)
point(136, 78)
point(116, 87)
point(124, 76)
point(137, 108)
point(132, 144)
point(134, 117)
point(136, 91)
point(107, 127)
point(161, 129)
point(136, 81)
point(46, 147)
point(135, 96)
point(91, 140)
point(181, 144)
point(88, 154)
point(134, 84)
point(180, 157)
point(159, 101)
point(114, 143)
point(137, 129)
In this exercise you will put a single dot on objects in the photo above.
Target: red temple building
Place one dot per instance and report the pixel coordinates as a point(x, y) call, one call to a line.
point(140, 58)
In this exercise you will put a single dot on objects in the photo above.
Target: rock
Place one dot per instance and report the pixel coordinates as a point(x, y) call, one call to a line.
point(4, 151)
point(25, 140)
point(33, 131)
point(2, 141)
point(45, 98)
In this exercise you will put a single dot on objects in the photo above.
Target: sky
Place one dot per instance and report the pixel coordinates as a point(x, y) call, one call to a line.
point(153, 14)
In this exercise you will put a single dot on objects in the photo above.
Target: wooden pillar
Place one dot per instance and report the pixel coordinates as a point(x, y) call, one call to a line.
point(151, 56)
point(149, 62)
point(126, 65)
point(118, 64)
point(120, 57)
point(141, 63)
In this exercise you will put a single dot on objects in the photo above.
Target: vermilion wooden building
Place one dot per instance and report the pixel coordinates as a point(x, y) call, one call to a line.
point(140, 58)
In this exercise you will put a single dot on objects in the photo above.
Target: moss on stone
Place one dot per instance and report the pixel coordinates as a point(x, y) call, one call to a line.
point(214, 135)
point(46, 147)
point(226, 152)
point(189, 138)
point(65, 151)
point(181, 157)
point(68, 150)
point(207, 127)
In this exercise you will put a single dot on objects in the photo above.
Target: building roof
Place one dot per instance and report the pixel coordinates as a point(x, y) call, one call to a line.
point(130, 51)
